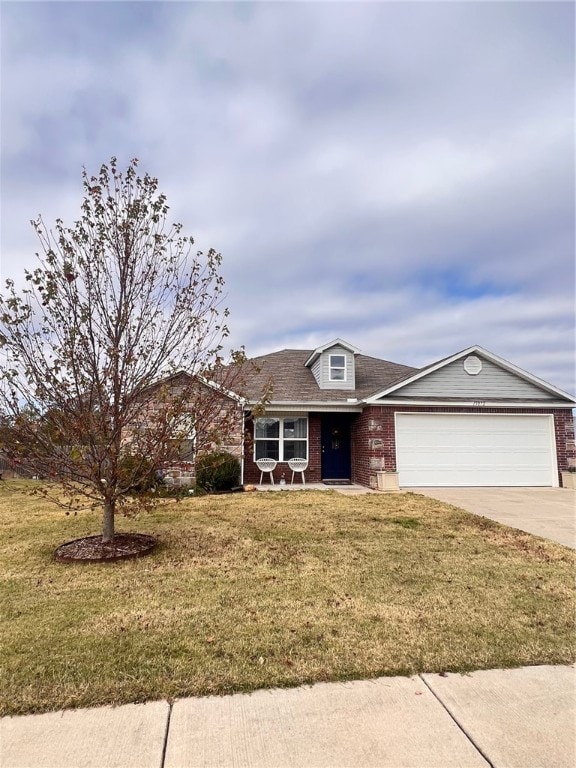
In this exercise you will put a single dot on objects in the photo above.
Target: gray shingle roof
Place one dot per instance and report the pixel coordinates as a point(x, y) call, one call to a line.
point(292, 382)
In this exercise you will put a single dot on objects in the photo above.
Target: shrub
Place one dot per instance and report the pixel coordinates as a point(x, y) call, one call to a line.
point(217, 471)
point(138, 471)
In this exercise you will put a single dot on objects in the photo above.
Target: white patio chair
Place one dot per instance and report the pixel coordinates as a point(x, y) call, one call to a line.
point(266, 465)
point(298, 465)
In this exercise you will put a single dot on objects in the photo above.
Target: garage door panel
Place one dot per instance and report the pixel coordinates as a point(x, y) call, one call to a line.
point(475, 450)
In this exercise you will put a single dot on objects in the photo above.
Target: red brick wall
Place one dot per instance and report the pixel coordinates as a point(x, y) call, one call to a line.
point(312, 474)
point(374, 442)
point(565, 449)
point(374, 436)
point(218, 422)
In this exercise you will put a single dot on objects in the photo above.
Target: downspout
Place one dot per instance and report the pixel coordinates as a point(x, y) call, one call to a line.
point(242, 404)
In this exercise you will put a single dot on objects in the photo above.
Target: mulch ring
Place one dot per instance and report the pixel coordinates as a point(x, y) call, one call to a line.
point(91, 549)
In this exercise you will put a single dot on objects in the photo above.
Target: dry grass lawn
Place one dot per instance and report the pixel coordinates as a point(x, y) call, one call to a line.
point(271, 589)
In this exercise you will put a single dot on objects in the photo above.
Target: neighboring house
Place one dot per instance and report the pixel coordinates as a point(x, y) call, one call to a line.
point(8, 470)
point(472, 419)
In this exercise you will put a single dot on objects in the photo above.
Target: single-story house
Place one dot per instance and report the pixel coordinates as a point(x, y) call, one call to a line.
point(471, 419)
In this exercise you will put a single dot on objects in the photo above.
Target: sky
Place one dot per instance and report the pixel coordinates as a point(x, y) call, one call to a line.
point(396, 174)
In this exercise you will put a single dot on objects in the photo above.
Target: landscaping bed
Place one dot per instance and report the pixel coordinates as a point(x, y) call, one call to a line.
point(271, 589)
point(92, 549)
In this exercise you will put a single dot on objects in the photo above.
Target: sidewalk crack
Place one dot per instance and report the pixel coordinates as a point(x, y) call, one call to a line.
point(166, 732)
point(458, 724)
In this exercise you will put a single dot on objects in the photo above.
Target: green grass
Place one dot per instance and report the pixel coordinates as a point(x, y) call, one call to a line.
point(271, 589)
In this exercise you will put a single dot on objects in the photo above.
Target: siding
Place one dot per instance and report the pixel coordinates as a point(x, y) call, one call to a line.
point(317, 372)
point(492, 382)
point(323, 375)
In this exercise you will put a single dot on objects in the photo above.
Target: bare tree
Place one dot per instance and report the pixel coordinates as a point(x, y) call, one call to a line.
point(112, 353)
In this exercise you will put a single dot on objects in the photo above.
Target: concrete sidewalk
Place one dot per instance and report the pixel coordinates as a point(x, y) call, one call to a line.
point(520, 718)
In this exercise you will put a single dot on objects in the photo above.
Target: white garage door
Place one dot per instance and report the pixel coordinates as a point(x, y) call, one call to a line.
point(466, 449)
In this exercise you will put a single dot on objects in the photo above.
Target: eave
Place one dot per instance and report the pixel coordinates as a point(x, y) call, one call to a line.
point(479, 404)
point(222, 390)
point(322, 406)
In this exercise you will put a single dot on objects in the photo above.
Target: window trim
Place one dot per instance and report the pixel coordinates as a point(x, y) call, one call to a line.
point(332, 367)
point(187, 427)
point(281, 439)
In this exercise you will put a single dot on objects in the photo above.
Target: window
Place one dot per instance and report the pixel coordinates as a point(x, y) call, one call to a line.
point(295, 439)
point(337, 367)
point(267, 439)
point(186, 450)
point(183, 441)
point(281, 438)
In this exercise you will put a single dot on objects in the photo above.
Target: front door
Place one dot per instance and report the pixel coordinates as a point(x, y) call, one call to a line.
point(336, 447)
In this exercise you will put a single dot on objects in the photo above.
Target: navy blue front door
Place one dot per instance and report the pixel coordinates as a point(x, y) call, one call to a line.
point(335, 447)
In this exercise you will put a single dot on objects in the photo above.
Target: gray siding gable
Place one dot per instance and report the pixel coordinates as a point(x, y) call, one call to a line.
point(316, 370)
point(321, 369)
point(492, 383)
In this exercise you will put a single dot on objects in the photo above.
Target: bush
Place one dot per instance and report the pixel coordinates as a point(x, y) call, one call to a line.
point(138, 472)
point(217, 471)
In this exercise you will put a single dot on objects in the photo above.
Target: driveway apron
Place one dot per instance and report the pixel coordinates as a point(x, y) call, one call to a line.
point(546, 512)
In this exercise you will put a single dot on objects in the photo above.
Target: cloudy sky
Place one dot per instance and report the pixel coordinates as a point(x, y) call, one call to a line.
point(400, 175)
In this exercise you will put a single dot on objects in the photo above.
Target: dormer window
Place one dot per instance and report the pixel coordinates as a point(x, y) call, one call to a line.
point(337, 367)
point(332, 365)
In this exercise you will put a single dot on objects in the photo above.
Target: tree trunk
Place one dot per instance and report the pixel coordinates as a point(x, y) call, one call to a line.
point(108, 521)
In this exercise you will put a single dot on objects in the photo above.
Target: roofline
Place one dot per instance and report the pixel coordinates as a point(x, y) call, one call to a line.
point(313, 405)
point(219, 388)
point(203, 380)
point(358, 407)
point(318, 351)
point(470, 350)
point(480, 405)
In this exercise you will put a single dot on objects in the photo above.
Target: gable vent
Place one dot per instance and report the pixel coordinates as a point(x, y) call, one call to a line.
point(473, 365)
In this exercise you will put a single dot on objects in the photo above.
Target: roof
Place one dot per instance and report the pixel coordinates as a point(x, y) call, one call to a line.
point(315, 354)
point(285, 378)
point(292, 381)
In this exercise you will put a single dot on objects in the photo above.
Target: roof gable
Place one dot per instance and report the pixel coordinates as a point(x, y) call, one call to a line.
point(315, 354)
point(184, 379)
point(462, 376)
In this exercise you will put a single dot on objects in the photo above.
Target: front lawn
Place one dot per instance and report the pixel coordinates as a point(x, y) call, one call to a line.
point(271, 589)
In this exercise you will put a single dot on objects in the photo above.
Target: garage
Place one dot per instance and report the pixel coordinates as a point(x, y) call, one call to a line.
point(452, 449)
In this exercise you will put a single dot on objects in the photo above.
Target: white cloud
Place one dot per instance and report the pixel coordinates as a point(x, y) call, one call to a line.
point(399, 175)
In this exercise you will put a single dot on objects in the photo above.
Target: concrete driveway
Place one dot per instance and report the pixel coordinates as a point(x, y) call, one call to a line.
point(546, 512)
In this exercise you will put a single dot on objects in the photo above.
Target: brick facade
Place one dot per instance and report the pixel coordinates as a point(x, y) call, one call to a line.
point(312, 474)
point(218, 423)
point(373, 439)
point(374, 436)
point(183, 473)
